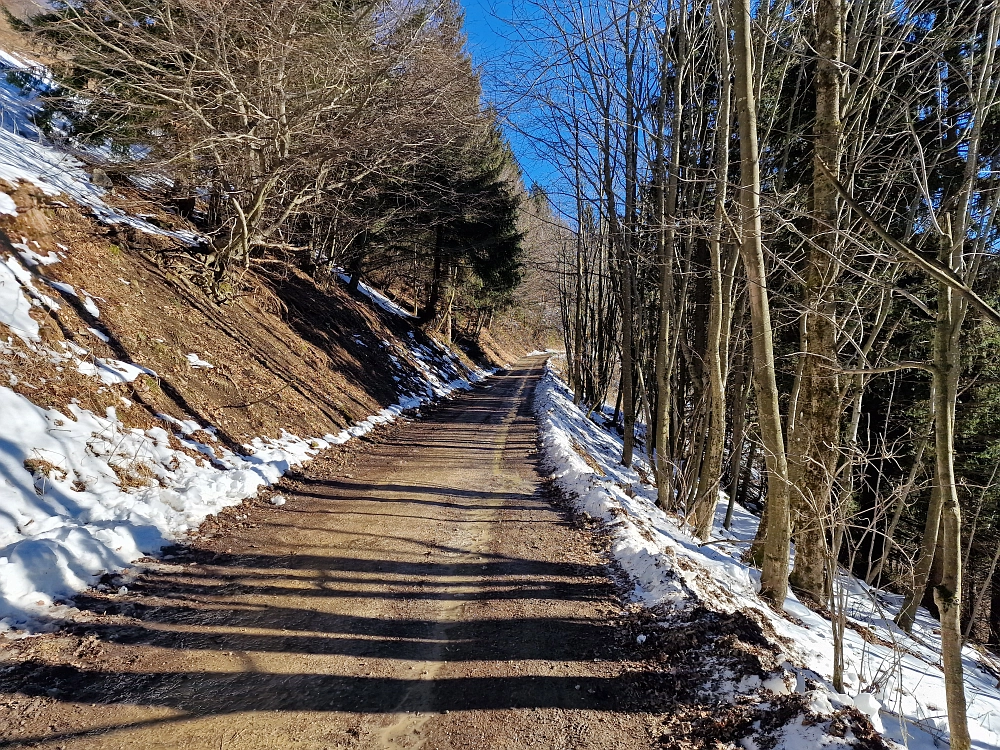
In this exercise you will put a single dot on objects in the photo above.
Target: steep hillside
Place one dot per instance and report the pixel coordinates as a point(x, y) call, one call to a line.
point(134, 406)
point(143, 369)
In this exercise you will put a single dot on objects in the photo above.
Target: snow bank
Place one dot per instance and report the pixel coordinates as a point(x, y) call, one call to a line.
point(67, 513)
point(83, 494)
point(893, 677)
point(70, 510)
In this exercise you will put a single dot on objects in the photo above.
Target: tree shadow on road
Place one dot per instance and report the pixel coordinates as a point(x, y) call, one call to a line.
point(205, 602)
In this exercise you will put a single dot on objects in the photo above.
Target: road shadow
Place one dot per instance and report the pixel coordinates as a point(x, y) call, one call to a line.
point(205, 602)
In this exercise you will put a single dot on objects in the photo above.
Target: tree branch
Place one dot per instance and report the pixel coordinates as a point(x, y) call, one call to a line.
point(932, 267)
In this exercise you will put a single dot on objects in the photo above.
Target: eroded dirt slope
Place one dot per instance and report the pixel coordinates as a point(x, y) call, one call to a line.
point(287, 353)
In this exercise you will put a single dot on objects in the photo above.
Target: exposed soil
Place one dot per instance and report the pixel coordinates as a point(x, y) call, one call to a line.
point(289, 354)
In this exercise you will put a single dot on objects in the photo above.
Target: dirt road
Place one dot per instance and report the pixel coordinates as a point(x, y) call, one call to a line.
point(421, 590)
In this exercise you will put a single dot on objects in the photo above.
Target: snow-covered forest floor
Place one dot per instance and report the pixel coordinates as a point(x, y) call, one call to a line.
point(892, 677)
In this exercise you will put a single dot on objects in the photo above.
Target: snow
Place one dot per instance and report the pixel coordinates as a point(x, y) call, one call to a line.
point(197, 362)
point(99, 335)
point(112, 371)
point(892, 677)
point(90, 306)
point(65, 517)
point(14, 306)
point(33, 258)
point(378, 298)
point(868, 704)
point(26, 155)
point(63, 287)
point(7, 205)
point(18, 295)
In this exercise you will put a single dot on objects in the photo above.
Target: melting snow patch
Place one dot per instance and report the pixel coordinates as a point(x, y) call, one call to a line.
point(90, 306)
point(33, 258)
point(197, 362)
point(868, 704)
point(14, 306)
point(64, 517)
point(62, 287)
point(7, 205)
point(112, 371)
point(26, 155)
point(378, 298)
point(99, 334)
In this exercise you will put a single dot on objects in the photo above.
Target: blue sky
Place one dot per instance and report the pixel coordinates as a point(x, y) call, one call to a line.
point(485, 24)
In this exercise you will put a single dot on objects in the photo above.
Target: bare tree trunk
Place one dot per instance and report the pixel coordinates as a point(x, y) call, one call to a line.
point(661, 423)
point(577, 372)
point(948, 594)
point(947, 368)
point(666, 208)
point(628, 237)
point(437, 273)
point(813, 441)
point(716, 350)
point(447, 321)
point(774, 569)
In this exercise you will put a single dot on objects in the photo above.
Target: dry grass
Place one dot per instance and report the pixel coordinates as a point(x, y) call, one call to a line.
point(285, 337)
point(39, 467)
point(133, 474)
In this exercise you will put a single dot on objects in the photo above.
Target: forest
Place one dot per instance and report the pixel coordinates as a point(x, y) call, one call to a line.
point(338, 138)
point(783, 275)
